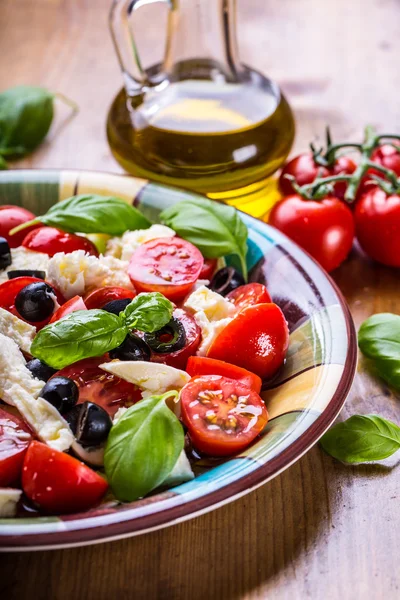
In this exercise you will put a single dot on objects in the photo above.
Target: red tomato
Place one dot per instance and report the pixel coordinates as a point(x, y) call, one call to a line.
point(179, 358)
point(210, 264)
point(249, 294)
point(200, 365)
point(74, 304)
point(305, 170)
point(257, 339)
point(222, 415)
point(377, 219)
point(15, 437)
point(324, 228)
point(167, 265)
point(98, 386)
point(12, 216)
point(51, 240)
point(387, 156)
point(99, 298)
point(58, 483)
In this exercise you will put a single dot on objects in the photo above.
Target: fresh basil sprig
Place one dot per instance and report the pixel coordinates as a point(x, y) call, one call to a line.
point(379, 339)
point(92, 213)
point(362, 438)
point(87, 333)
point(216, 229)
point(143, 448)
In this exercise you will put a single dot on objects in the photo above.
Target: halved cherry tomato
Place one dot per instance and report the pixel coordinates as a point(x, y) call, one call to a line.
point(58, 483)
point(99, 298)
point(257, 339)
point(222, 415)
point(51, 240)
point(15, 437)
point(98, 386)
point(210, 264)
point(249, 294)
point(72, 305)
point(201, 365)
point(12, 216)
point(167, 265)
point(179, 358)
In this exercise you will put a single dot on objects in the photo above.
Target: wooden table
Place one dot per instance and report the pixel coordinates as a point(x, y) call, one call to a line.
point(320, 530)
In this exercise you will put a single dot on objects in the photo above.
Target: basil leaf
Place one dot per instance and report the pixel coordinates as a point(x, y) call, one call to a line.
point(362, 438)
point(26, 114)
point(379, 339)
point(92, 213)
point(216, 229)
point(82, 334)
point(148, 312)
point(143, 448)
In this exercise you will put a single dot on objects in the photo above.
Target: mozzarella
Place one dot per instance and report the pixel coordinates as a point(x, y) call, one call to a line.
point(76, 272)
point(22, 258)
point(209, 331)
point(9, 498)
point(214, 306)
point(123, 247)
point(22, 333)
point(13, 371)
point(181, 472)
point(92, 455)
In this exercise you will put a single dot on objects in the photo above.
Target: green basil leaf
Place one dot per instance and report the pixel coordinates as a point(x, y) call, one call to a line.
point(26, 114)
point(148, 312)
point(81, 334)
point(379, 339)
point(142, 448)
point(362, 438)
point(216, 229)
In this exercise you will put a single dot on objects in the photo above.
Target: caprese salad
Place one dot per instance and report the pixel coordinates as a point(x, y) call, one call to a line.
point(127, 349)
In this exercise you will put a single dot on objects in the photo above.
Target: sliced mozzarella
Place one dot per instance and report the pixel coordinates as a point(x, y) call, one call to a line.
point(92, 455)
point(9, 498)
point(22, 333)
point(13, 371)
point(209, 330)
point(22, 259)
point(181, 472)
point(214, 306)
point(123, 247)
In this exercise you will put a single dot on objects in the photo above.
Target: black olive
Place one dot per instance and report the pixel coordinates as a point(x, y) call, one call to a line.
point(132, 348)
point(90, 423)
point(61, 392)
point(175, 330)
point(5, 253)
point(26, 273)
point(226, 280)
point(36, 301)
point(117, 306)
point(40, 370)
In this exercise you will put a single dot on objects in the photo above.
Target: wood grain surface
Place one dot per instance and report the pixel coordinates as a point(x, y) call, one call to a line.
point(320, 530)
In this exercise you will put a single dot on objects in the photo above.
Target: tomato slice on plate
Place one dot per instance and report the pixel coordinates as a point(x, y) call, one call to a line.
point(179, 358)
point(210, 264)
point(167, 265)
point(99, 298)
point(12, 216)
point(98, 386)
point(15, 437)
point(59, 483)
point(72, 305)
point(249, 294)
point(257, 339)
point(201, 365)
point(51, 240)
point(222, 415)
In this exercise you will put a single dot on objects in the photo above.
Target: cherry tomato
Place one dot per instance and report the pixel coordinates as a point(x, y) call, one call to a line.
point(324, 228)
point(256, 339)
point(98, 386)
point(99, 298)
point(201, 365)
point(15, 437)
point(377, 219)
point(387, 156)
point(167, 265)
point(210, 264)
point(12, 216)
point(72, 305)
point(249, 294)
point(305, 170)
point(222, 415)
point(58, 483)
point(51, 240)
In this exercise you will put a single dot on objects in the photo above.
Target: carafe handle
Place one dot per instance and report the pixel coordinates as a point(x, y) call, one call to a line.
point(136, 79)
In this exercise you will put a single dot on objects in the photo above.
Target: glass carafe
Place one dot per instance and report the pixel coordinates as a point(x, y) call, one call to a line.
point(199, 119)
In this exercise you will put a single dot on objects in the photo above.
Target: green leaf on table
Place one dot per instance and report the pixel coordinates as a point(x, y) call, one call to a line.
point(148, 312)
point(362, 438)
point(216, 229)
point(379, 339)
point(143, 448)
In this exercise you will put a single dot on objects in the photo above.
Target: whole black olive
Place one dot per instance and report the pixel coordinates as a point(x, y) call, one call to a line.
point(26, 273)
point(40, 370)
point(226, 280)
point(61, 392)
point(117, 306)
point(132, 348)
point(175, 333)
point(90, 423)
point(36, 301)
point(5, 253)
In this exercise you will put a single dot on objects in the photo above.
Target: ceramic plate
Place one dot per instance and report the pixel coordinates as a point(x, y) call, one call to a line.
point(302, 402)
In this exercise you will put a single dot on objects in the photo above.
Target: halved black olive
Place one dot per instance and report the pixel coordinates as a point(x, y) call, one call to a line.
point(5, 253)
point(26, 273)
point(40, 370)
point(226, 280)
point(90, 423)
point(116, 306)
point(36, 301)
point(132, 348)
point(61, 392)
point(171, 338)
